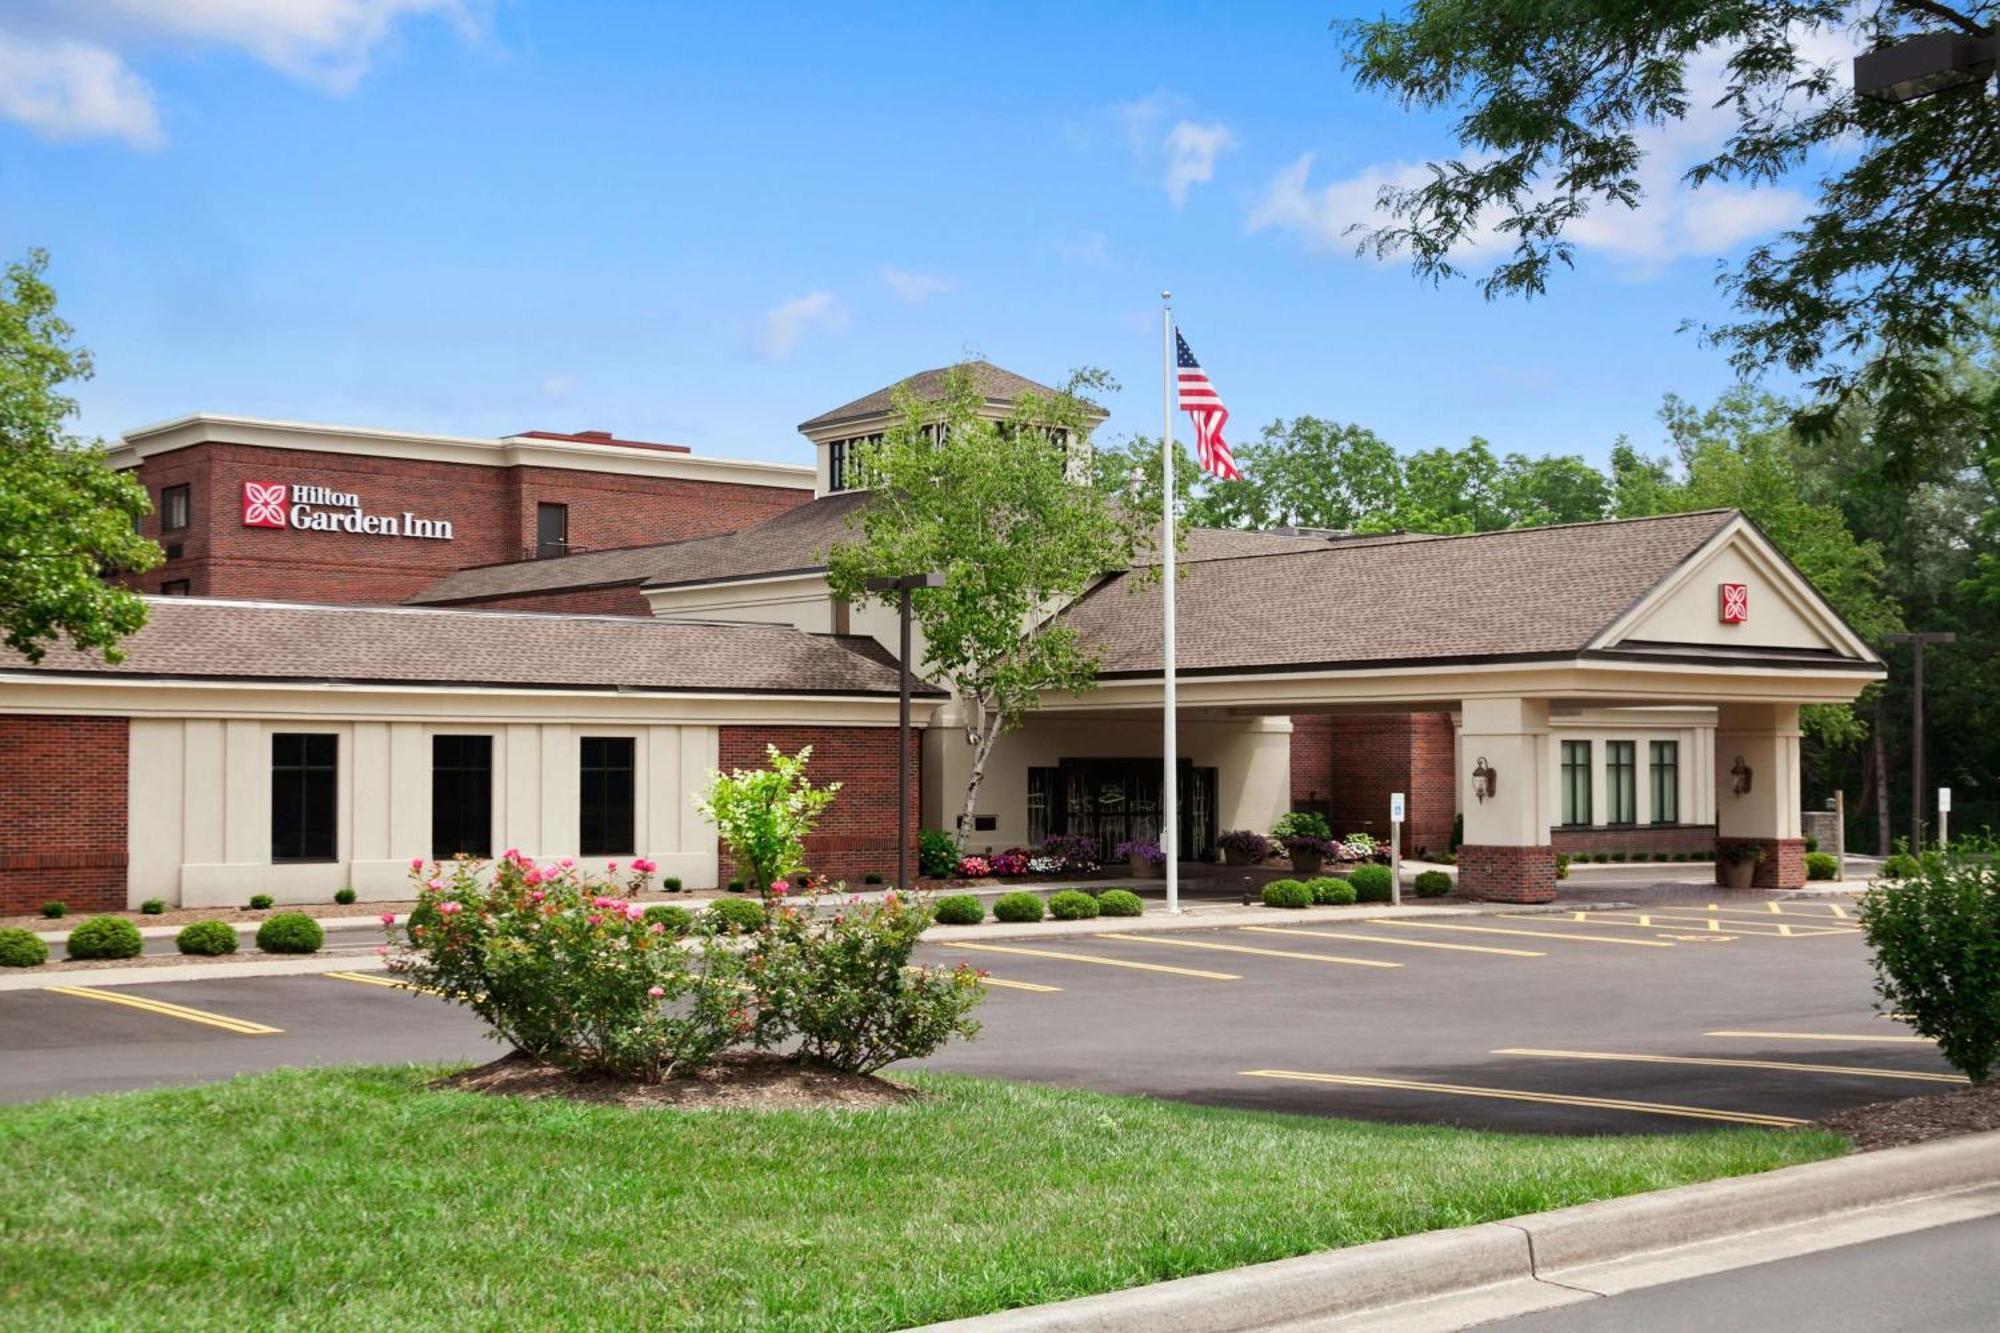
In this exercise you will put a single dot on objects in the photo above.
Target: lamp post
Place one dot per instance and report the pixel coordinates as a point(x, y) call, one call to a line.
point(902, 585)
point(1917, 642)
point(1922, 66)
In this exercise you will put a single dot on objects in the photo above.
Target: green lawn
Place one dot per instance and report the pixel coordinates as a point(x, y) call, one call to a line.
point(354, 1198)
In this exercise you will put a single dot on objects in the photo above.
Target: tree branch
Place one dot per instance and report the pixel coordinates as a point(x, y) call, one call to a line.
point(1965, 23)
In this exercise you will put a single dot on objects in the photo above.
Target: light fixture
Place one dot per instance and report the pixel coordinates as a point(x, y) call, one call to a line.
point(1921, 66)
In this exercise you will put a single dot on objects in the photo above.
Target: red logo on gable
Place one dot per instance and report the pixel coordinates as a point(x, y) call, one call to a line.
point(266, 504)
point(1735, 603)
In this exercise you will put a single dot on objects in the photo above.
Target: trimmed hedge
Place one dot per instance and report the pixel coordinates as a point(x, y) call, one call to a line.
point(105, 937)
point(1821, 865)
point(345, 897)
point(1120, 902)
point(22, 948)
point(1016, 908)
point(1331, 891)
point(290, 932)
point(959, 909)
point(1432, 884)
point(1287, 893)
point(1072, 905)
point(734, 916)
point(673, 920)
point(207, 939)
point(1372, 883)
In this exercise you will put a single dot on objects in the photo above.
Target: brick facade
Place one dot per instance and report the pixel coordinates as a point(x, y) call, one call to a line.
point(857, 833)
point(1507, 874)
point(1647, 838)
point(1347, 765)
point(62, 812)
point(491, 509)
point(1783, 866)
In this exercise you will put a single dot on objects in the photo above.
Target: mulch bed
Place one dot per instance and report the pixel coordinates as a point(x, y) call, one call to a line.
point(739, 1081)
point(1919, 1119)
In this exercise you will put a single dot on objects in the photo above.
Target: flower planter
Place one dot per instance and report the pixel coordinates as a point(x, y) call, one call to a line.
point(1141, 867)
point(1307, 863)
point(1232, 857)
point(1739, 874)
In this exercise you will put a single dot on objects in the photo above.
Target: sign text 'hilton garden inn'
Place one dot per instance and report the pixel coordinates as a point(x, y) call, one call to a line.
point(319, 509)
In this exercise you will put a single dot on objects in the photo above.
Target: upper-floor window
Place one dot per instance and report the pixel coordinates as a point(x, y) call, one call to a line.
point(1621, 781)
point(847, 463)
point(1576, 782)
point(1666, 757)
point(551, 530)
point(175, 508)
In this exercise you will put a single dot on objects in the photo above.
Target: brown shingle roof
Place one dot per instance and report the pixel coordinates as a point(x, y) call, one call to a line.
point(999, 387)
point(1499, 594)
point(231, 640)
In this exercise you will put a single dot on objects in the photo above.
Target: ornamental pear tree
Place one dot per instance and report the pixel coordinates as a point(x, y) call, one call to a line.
point(67, 521)
point(997, 507)
point(763, 815)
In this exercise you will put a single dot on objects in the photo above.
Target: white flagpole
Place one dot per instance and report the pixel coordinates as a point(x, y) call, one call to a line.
point(1170, 841)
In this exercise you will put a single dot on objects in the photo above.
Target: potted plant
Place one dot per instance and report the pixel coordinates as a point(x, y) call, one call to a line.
point(1306, 837)
point(1739, 861)
point(1242, 847)
point(1140, 855)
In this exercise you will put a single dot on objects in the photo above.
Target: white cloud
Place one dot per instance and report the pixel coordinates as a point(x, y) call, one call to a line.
point(789, 321)
point(68, 90)
point(558, 386)
point(329, 43)
point(914, 288)
point(1191, 153)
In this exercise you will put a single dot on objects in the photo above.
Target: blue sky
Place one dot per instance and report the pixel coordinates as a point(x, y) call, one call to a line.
point(705, 224)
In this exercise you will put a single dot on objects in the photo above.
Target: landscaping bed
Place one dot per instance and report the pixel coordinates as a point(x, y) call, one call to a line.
point(1938, 1115)
point(739, 1081)
point(340, 1198)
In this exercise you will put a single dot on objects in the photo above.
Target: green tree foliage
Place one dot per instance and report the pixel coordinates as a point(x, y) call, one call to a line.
point(66, 520)
point(989, 504)
point(763, 815)
point(1551, 97)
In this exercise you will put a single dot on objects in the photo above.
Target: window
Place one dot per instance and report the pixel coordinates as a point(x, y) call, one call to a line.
point(605, 803)
point(176, 588)
point(846, 463)
point(836, 466)
point(1621, 781)
point(1576, 782)
point(1666, 761)
point(302, 795)
point(551, 530)
point(173, 508)
point(461, 796)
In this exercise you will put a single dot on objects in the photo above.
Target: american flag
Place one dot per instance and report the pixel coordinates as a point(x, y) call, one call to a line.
point(1202, 403)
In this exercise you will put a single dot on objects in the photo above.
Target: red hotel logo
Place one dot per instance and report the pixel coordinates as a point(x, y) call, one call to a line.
point(266, 504)
point(1735, 603)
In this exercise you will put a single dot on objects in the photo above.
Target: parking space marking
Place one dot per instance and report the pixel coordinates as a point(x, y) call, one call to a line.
point(367, 980)
point(1725, 1062)
point(1245, 948)
point(1873, 1038)
point(1061, 956)
point(1688, 920)
point(1390, 939)
point(240, 1026)
point(1509, 930)
point(1525, 1095)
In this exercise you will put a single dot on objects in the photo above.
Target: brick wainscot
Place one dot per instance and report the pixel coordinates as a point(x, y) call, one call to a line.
point(62, 812)
point(857, 833)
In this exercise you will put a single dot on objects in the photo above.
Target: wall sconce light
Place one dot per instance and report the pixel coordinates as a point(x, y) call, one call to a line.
point(1739, 776)
point(1485, 779)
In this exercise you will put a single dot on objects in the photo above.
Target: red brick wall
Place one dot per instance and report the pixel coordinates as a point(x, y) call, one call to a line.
point(62, 812)
point(1648, 839)
point(857, 833)
point(1351, 764)
point(1507, 874)
point(1783, 866)
point(491, 509)
point(1431, 791)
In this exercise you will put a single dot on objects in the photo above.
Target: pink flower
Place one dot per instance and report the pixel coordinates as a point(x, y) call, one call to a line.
point(437, 886)
point(449, 909)
point(416, 863)
point(567, 862)
point(634, 912)
point(533, 876)
point(612, 868)
point(536, 895)
point(388, 918)
point(381, 951)
point(656, 992)
point(642, 865)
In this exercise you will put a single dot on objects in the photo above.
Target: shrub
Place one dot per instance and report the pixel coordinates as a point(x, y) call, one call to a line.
point(1287, 893)
point(1072, 905)
point(1901, 865)
point(207, 939)
point(972, 867)
point(1301, 824)
point(1331, 891)
point(1446, 858)
point(1372, 884)
point(1821, 865)
point(736, 886)
point(153, 906)
point(1120, 902)
point(22, 948)
point(675, 921)
point(1599, 858)
point(872, 877)
point(1245, 842)
point(937, 853)
point(105, 937)
point(1659, 856)
point(1936, 940)
point(1016, 908)
point(1812, 843)
point(1431, 884)
point(763, 815)
point(734, 916)
point(345, 897)
point(1618, 858)
point(960, 909)
point(1009, 863)
point(290, 932)
point(55, 908)
point(671, 884)
point(260, 901)
point(1562, 865)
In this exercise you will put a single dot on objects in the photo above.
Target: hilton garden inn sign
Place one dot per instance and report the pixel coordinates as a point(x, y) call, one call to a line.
point(320, 509)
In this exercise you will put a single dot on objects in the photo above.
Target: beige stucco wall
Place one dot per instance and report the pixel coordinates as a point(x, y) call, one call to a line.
point(1783, 612)
point(798, 600)
point(1766, 737)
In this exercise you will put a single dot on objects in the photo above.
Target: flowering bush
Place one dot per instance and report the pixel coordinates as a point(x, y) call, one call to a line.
point(1045, 865)
point(763, 815)
point(1358, 847)
point(1139, 849)
point(1245, 843)
point(937, 853)
point(973, 867)
point(1070, 851)
point(1009, 863)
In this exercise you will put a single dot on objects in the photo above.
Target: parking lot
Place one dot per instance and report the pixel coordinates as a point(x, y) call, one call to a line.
point(1655, 1020)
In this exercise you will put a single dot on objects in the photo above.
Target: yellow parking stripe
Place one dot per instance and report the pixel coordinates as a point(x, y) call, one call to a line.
point(1723, 1062)
point(1244, 948)
point(1523, 1095)
point(367, 980)
point(1060, 956)
point(1035, 986)
point(1753, 924)
point(1872, 1037)
point(1508, 930)
point(240, 1026)
point(1387, 939)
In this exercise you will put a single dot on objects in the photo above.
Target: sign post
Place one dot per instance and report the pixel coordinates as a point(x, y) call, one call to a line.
point(1396, 848)
point(1944, 813)
point(1840, 835)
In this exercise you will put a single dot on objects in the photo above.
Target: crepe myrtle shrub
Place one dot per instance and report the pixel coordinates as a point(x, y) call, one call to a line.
point(735, 916)
point(840, 984)
point(1431, 884)
point(1120, 902)
point(207, 939)
point(1289, 893)
point(1017, 908)
point(763, 814)
point(22, 948)
point(959, 909)
point(1372, 883)
point(105, 937)
point(565, 967)
point(290, 932)
point(1936, 942)
point(1331, 891)
point(937, 853)
point(1821, 865)
point(1072, 905)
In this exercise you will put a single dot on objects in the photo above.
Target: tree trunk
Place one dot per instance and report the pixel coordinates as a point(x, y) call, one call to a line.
point(981, 735)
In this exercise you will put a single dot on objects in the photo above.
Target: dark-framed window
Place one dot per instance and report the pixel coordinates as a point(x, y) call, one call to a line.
point(1621, 781)
point(461, 796)
point(836, 466)
point(176, 507)
point(551, 529)
point(847, 463)
point(605, 800)
point(304, 765)
point(176, 588)
point(1576, 782)
point(1666, 766)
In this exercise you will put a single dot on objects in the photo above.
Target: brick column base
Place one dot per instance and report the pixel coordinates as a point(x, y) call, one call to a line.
point(1783, 866)
point(1507, 874)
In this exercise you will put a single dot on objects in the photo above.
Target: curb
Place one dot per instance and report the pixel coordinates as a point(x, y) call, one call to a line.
point(1434, 1264)
point(146, 976)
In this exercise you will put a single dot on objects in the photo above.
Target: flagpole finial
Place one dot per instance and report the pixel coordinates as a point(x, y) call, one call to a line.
point(1166, 296)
